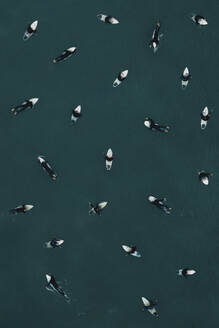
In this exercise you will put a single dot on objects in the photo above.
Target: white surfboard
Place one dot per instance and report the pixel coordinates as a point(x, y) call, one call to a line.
point(103, 17)
point(201, 21)
point(127, 249)
point(205, 181)
point(48, 277)
point(145, 301)
point(123, 74)
point(28, 207)
point(151, 199)
point(109, 154)
point(102, 205)
point(76, 110)
point(72, 49)
point(185, 74)
point(33, 26)
point(203, 122)
point(34, 100)
point(190, 272)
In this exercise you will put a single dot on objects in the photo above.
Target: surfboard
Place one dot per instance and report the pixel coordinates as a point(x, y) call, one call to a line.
point(33, 26)
point(203, 122)
point(185, 74)
point(102, 205)
point(109, 154)
point(145, 301)
point(76, 110)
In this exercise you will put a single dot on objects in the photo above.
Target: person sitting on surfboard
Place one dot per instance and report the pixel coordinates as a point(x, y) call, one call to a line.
point(97, 209)
point(132, 250)
point(205, 116)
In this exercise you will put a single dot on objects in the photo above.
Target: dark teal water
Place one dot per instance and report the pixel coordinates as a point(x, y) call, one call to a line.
point(105, 286)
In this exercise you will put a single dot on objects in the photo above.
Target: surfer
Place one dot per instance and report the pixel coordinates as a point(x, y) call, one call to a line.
point(199, 20)
point(150, 124)
point(109, 159)
point(26, 104)
point(121, 77)
point(66, 53)
point(52, 285)
point(97, 209)
point(154, 43)
point(54, 243)
point(31, 29)
point(76, 113)
point(186, 272)
point(205, 116)
point(47, 167)
point(149, 305)
point(159, 203)
point(204, 177)
point(185, 77)
point(107, 19)
point(21, 209)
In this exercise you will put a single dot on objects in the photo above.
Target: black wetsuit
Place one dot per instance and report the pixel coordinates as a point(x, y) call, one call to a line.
point(186, 78)
point(197, 18)
point(54, 284)
point(155, 126)
point(19, 209)
point(155, 38)
point(203, 175)
point(48, 169)
point(76, 114)
point(30, 30)
point(108, 19)
point(54, 243)
point(109, 159)
point(22, 107)
point(159, 203)
point(184, 272)
point(94, 209)
point(205, 118)
point(120, 78)
point(132, 250)
point(63, 56)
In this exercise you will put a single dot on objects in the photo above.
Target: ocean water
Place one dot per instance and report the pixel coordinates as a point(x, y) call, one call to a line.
point(104, 285)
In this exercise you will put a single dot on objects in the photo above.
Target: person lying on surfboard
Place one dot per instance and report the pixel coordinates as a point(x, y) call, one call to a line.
point(97, 209)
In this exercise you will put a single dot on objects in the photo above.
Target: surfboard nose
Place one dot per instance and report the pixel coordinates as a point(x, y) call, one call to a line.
point(29, 207)
point(41, 159)
point(34, 100)
point(48, 277)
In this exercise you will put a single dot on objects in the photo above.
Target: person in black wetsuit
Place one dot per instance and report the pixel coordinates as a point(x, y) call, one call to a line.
point(66, 53)
point(149, 123)
point(204, 177)
point(26, 104)
point(54, 243)
point(186, 77)
point(132, 250)
point(47, 167)
point(21, 209)
point(186, 272)
point(199, 20)
point(94, 209)
point(159, 203)
point(155, 37)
